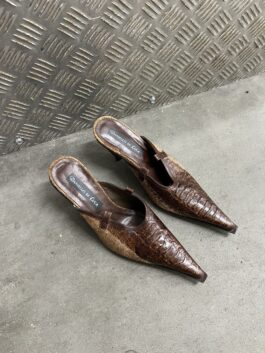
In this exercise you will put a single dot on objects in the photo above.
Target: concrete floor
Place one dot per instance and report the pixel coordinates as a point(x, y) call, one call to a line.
point(62, 291)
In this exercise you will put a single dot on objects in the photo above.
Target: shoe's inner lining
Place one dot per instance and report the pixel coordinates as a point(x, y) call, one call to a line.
point(116, 136)
point(131, 203)
point(74, 181)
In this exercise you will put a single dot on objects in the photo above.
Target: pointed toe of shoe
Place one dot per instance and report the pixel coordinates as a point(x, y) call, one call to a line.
point(224, 222)
point(234, 229)
point(202, 276)
point(231, 227)
point(196, 272)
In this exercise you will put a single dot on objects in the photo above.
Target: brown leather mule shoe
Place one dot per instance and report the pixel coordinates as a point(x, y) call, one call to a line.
point(166, 182)
point(123, 222)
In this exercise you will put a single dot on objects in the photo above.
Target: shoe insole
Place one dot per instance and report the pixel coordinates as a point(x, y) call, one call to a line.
point(73, 180)
point(120, 140)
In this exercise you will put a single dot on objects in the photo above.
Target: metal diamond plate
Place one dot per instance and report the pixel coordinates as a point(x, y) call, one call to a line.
point(63, 63)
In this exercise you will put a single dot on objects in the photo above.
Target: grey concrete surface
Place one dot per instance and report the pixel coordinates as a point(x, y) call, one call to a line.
point(62, 291)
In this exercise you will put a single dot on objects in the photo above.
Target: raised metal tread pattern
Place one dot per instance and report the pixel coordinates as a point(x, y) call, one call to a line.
point(64, 63)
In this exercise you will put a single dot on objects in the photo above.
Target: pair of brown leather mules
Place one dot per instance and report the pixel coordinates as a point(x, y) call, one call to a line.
point(124, 222)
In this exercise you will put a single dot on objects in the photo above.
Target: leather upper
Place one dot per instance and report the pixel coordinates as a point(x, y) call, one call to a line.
point(123, 222)
point(166, 182)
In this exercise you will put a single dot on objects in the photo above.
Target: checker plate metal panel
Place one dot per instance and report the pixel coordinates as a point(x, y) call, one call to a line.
point(64, 63)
